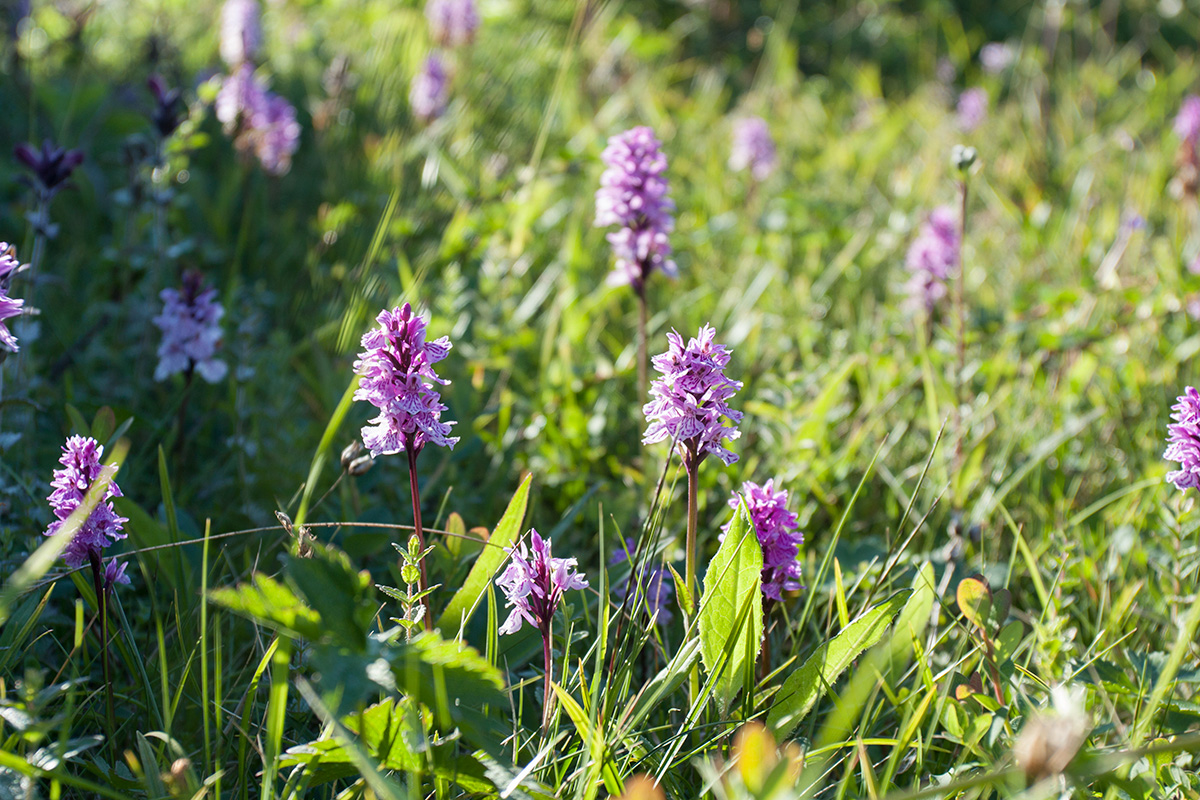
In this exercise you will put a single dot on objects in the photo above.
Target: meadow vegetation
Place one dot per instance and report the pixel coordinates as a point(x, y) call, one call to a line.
point(897, 525)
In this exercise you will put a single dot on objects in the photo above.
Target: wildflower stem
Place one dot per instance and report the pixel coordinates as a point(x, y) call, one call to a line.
point(641, 342)
point(181, 417)
point(102, 608)
point(420, 534)
point(547, 692)
point(960, 302)
point(692, 465)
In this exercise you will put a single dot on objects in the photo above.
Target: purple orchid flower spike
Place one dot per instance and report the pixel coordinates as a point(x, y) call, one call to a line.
point(778, 535)
point(652, 585)
point(534, 583)
point(1183, 441)
point(932, 259)
point(452, 23)
point(168, 106)
point(191, 328)
point(51, 166)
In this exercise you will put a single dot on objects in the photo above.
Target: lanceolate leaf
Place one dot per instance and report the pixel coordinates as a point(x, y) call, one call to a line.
point(805, 686)
point(463, 605)
point(733, 580)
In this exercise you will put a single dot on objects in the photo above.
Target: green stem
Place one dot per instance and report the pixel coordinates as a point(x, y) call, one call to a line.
point(416, 504)
point(102, 606)
point(692, 465)
point(960, 302)
point(643, 314)
point(547, 693)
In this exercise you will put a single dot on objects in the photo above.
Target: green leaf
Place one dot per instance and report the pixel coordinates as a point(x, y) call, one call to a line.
point(465, 600)
point(340, 595)
point(733, 580)
point(271, 604)
point(974, 601)
point(805, 686)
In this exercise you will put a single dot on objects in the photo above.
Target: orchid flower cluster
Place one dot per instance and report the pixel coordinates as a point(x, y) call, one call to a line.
point(452, 23)
point(9, 306)
point(652, 585)
point(191, 331)
point(972, 109)
point(80, 468)
point(1183, 441)
point(778, 534)
point(932, 258)
point(633, 195)
point(51, 167)
point(753, 148)
point(260, 121)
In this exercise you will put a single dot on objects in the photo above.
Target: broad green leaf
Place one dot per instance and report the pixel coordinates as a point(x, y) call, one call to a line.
point(339, 594)
point(805, 686)
point(465, 600)
point(733, 580)
point(271, 604)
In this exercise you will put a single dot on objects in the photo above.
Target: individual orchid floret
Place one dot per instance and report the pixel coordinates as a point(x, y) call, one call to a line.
point(753, 148)
point(430, 89)
point(691, 398)
point(972, 109)
point(168, 106)
point(652, 585)
point(114, 573)
point(633, 195)
point(191, 326)
point(51, 166)
point(80, 467)
point(778, 533)
point(241, 31)
point(932, 258)
point(1183, 441)
point(452, 23)
point(1187, 122)
point(534, 583)
point(396, 367)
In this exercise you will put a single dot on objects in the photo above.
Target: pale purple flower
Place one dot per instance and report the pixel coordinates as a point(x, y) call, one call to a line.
point(995, 57)
point(80, 467)
point(689, 400)
point(633, 194)
point(191, 327)
point(114, 573)
point(276, 134)
point(1194, 265)
point(9, 306)
point(1187, 122)
point(1183, 441)
point(1193, 307)
point(452, 22)
point(652, 585)
point(932, 258)
point(778, 534)
point(430, 89)
point(241, 31)
point(242, 98)
point(398, 378)
point(972, 108)
point(753, 148)
point(534, 583)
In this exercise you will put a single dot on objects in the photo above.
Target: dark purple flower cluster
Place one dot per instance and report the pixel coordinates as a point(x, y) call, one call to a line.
point(778, 534)
point(80, 467)
point(9, 306)
point(633, 195)
point(168, 106)
point(51, 166)
point(691, 397)
point(452, 23)
point(1187, 122)
point(653, 585)
point(430, 89)
point(932, 258)
point(260, 121)
point(1183, 441)
point(398, 379)
point(191, 327)
point(753, 148)
point(972, 109)
point(534, 583)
